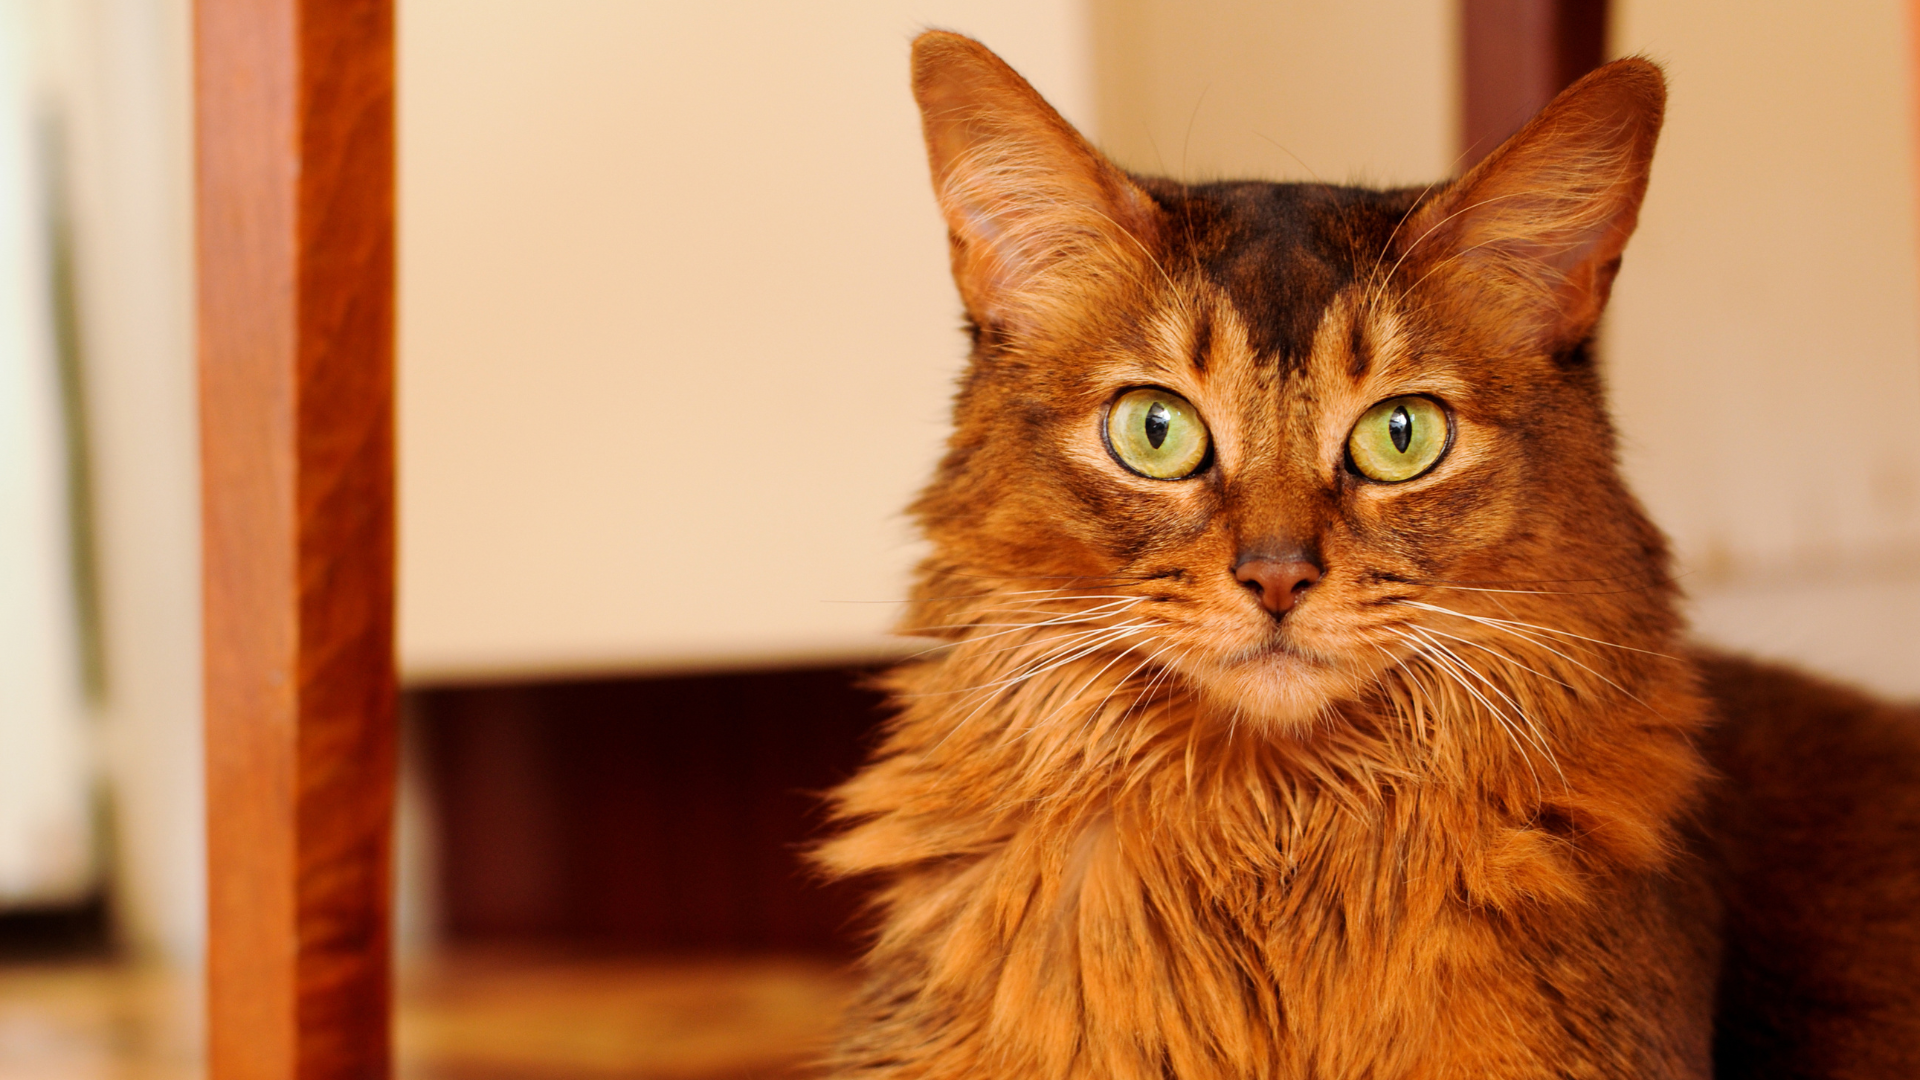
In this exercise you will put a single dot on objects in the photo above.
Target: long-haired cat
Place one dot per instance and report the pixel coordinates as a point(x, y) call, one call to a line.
point(1313, 702)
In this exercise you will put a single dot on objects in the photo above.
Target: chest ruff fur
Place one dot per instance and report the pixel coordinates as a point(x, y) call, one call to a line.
point(1145, 891)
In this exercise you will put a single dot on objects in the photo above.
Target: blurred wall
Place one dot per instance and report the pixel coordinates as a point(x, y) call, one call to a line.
point(1764, 339)
point(676, 331)
point(120, 72)
point(46, 775)
point(1345, 91)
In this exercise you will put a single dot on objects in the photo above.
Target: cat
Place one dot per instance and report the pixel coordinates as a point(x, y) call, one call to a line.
point(1312, 699)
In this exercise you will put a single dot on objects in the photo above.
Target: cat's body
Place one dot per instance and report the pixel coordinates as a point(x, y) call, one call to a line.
point(1812, 834)
point(1255, 754)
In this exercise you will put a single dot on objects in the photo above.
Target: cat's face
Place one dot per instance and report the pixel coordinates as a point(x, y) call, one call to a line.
point(1272, 428)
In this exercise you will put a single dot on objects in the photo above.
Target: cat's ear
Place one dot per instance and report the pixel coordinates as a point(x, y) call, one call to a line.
point(1043, 228)
point(1533, 234)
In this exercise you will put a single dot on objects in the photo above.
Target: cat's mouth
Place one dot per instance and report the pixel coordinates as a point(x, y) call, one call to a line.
point(1280, 681)
point(1277, 650)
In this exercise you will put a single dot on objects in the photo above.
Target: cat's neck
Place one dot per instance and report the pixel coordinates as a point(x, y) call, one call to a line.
point(985, 754)
point(1093, 851)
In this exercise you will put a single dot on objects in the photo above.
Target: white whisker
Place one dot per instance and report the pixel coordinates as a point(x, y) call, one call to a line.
point(1520, 714)
point(1534, 626)
point(1508, 626)
point(1444, 665)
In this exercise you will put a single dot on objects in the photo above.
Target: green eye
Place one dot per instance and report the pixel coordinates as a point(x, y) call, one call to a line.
point(1157, 433)
point(1398, 439)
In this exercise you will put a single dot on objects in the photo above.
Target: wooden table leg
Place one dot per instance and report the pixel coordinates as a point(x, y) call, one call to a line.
point(294, 111)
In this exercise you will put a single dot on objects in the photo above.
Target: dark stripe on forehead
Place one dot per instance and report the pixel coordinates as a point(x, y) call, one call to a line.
point(1280, 252)
point(1202, 338)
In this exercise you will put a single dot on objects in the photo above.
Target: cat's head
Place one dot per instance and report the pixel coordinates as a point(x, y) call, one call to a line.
point(1290, 433)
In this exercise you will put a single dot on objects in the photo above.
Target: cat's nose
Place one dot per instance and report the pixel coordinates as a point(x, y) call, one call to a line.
point(1278, 582)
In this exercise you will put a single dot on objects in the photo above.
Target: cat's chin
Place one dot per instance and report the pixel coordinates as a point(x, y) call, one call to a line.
point(1282, 691)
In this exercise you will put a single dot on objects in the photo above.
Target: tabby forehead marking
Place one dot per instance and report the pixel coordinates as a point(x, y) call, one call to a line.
point(1260, 411)
point(1202, 338)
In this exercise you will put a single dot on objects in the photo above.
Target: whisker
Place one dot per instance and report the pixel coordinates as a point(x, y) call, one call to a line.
point(1091, 679)
point(1054, 599)
point(1102, 636)
point(1508, 626)
point(1014, 628)
point(1443, 665)
point(1164, 674)
point(1418, 694)
point(1498, 655)
point(1520, 714)
point(1606, 580)
point(1059, 638)
point(1419, 200)
point(1542, 629)
point(1442, 223)
point(1537, 592)
point(992, 691)
point(1376, 284)
point(1054, 647)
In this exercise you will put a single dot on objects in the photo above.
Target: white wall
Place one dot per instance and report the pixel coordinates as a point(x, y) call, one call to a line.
point(677, 334)
point(1764, 340)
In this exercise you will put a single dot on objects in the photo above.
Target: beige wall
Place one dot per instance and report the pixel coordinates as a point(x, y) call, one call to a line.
point(676, 330)
point(1764, 341)
point(1346, 91)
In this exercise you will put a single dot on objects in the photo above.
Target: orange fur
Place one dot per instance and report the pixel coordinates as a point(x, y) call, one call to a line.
point(1449, 816)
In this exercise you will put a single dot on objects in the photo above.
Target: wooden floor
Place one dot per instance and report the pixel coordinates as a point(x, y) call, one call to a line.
point(499, 1016)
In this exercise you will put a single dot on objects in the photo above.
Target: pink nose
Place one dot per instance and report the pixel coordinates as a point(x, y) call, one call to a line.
point(1278, 582)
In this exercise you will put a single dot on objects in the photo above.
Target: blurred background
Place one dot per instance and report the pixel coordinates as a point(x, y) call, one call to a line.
point(644, 249)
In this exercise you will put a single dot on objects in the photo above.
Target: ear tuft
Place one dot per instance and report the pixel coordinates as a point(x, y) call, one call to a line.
point(1043, 227)
point(1535, 231)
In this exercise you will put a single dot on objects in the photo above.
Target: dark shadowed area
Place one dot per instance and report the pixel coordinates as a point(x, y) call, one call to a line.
point(661, 815)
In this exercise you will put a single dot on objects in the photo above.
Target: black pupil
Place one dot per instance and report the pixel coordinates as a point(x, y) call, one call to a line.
point(1157, 423)
point(1399, 428)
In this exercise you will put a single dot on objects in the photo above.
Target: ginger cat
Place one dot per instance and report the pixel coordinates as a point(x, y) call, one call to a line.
point(1314, 702)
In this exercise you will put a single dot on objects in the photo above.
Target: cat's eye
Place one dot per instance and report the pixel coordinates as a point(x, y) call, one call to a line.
point(1157, 433)
point(1398, 439)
